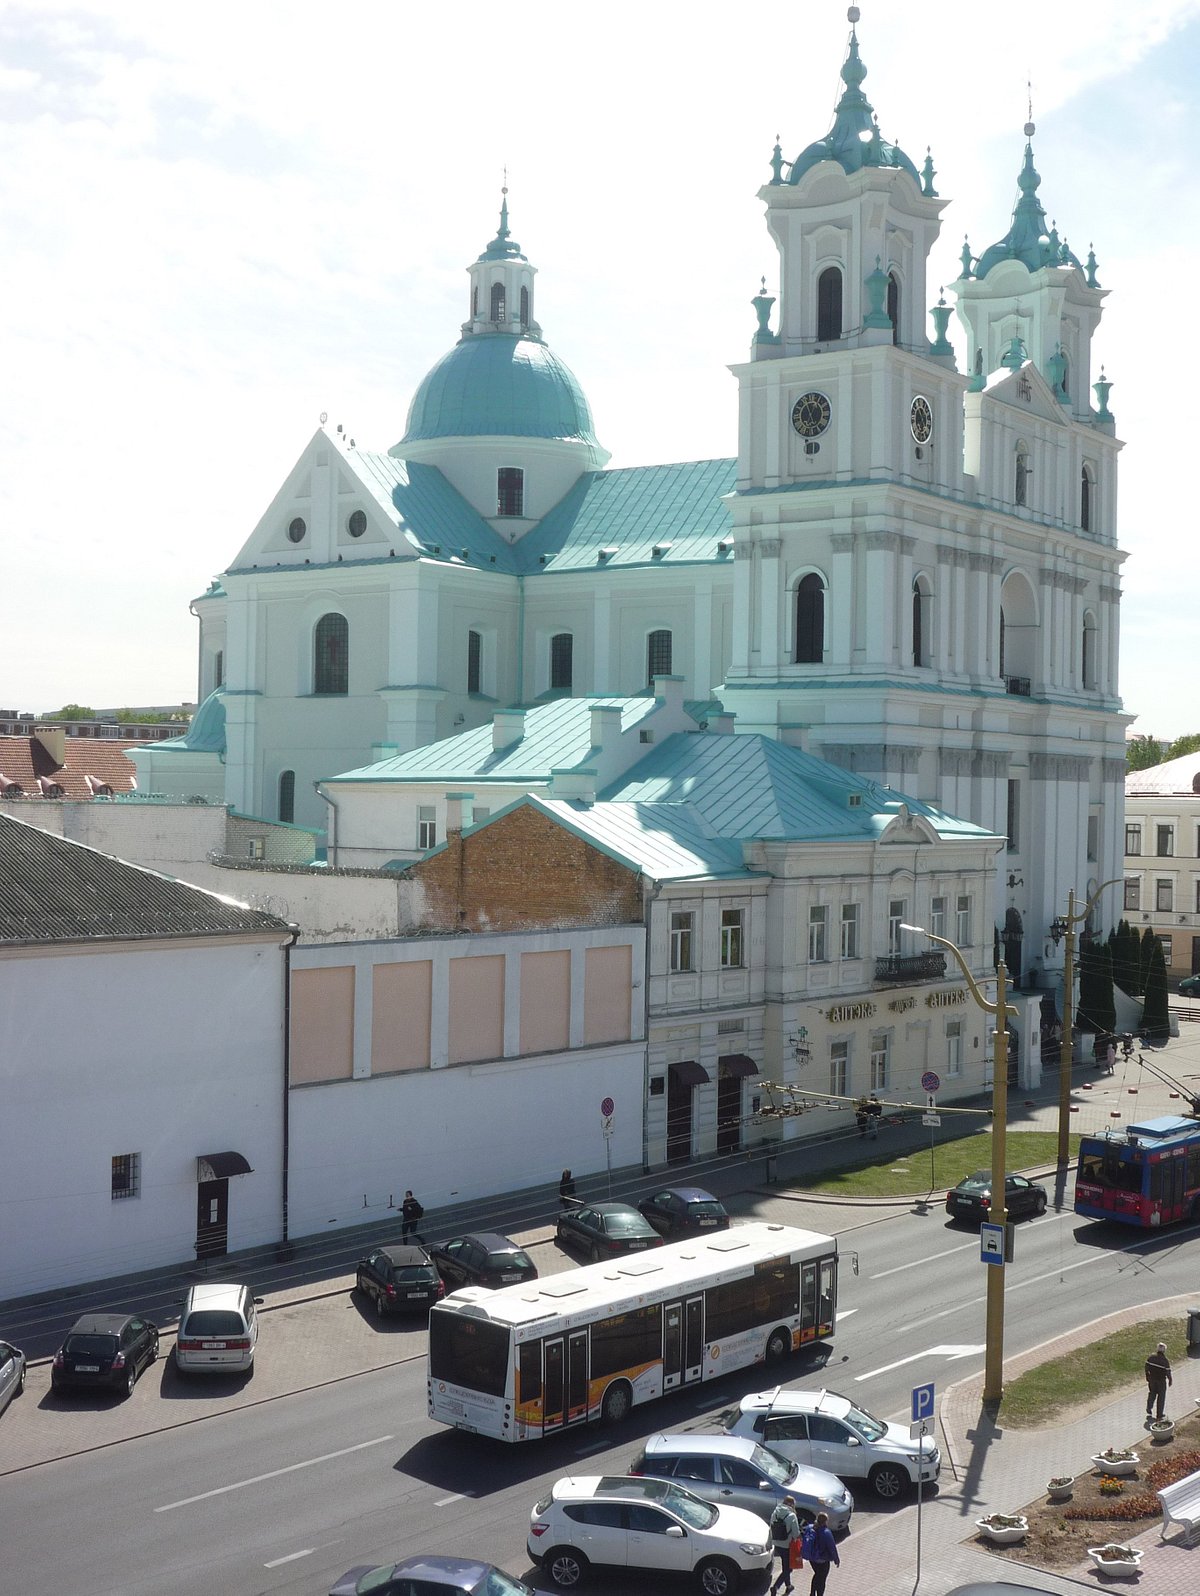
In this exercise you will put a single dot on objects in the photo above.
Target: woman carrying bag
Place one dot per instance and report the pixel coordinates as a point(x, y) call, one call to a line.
point(785, 1536)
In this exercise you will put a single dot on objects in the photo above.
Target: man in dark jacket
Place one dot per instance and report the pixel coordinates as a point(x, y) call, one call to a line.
point(821, 1549)
point(410, 1212)
point(1158, 1378)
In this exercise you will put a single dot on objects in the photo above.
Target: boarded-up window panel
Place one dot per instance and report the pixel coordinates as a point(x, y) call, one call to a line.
point(545, 1002)
point(323, 1024)
point(476, 1009)
point(608, 973)
point(400, 1008)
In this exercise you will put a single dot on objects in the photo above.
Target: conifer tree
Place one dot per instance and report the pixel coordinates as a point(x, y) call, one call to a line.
point(1155, 1020)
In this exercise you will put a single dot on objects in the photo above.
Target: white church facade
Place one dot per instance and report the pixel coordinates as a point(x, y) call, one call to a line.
point(908, 570)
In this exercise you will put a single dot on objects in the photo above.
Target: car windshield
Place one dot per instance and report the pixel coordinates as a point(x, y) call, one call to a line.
point(92, 1346)
point(622, 1224)
point(776, 1468)
point(700, 1515)
point(377, 1578)
point(979, 1181)
point(510, 1260)
point(213, 1322)
point(417, 1272)
point(867, 1425)
point(711, 1210)
point(498, 1583)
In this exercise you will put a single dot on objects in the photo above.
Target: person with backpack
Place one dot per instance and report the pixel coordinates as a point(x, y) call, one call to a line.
point(785, 1528)
point(410, 1212)
point(820, 1549)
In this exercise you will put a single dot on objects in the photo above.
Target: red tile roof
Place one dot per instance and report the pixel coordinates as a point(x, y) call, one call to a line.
point(25, 761)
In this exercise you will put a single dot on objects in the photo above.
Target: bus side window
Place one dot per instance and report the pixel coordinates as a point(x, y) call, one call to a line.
point(531, 1371)
point(808, 1296)
point(828, 1276)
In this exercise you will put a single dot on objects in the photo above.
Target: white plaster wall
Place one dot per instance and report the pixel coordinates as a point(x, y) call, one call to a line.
point(165, 1051)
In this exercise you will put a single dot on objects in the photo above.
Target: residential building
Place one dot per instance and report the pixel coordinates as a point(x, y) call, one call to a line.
point(1162, 859)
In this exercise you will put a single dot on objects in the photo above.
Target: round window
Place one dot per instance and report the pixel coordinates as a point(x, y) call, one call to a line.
point(357, 524)
point(297, 530)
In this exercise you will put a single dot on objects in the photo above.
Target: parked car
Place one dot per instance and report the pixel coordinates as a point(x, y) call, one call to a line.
point(218, 1329)
point(684, 1211)
point(732, 1470)
point(482, 1259)
point(606, 1230)
point(972, 1197)
point(12, 1373)
point(106, 1349)
point(827, 1431)
point(644, 1523)
point(422, 1576)
point(1190, 986)
point(398, 1279)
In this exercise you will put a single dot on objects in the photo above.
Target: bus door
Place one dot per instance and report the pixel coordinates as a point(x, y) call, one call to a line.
point(683, 1342)
point(565, 1380)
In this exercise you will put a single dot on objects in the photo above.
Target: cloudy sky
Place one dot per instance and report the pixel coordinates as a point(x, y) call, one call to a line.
point(219, 222)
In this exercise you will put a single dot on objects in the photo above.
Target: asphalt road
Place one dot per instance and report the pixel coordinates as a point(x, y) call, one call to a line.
point(286, 1495)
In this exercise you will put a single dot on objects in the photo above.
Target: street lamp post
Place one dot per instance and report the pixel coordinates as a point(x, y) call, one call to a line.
point(1063, 929)
point(993, 1375)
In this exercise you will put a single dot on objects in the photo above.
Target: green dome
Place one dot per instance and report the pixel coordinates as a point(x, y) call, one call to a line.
point(496, 385)
point(854, 141)
point(205, 733)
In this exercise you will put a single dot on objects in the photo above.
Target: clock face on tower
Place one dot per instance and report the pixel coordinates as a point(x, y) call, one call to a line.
point(811, 414)
point(920, 419)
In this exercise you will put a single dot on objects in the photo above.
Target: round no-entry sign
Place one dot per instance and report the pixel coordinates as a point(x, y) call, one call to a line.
point(930, 1081)
point(606, 1106)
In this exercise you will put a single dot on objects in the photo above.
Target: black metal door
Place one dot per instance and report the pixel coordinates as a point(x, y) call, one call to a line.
point(729, 1113)
point(679, 1120)
point(212, 1219)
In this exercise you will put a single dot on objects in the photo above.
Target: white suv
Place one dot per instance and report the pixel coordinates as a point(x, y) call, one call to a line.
point(829, 1432)
point(644, 1523)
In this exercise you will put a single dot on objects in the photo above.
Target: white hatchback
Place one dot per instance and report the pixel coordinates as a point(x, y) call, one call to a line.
point(620, 1522)
point(829, 1432)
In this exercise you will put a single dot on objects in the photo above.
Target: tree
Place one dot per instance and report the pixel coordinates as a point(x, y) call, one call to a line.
point(1097, 1009)
point(72, 712)
point(1146, 949)
point(1142, 752)
point(1155, 1016)
point(1126, 960)
point(1184, 745)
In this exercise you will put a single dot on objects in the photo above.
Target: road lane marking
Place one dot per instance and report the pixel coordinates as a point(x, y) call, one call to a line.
point(917, 1263)
point(949, 1351)
point(273, 1474)
point(446, 1500)
point(278, 1562)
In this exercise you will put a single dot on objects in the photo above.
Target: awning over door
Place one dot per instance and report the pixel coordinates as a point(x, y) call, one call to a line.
point(689, 1073)
point(735, 1064)
point(218, 1166)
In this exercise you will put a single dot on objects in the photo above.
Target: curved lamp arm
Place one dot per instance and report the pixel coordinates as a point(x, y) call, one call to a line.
point(976, 991)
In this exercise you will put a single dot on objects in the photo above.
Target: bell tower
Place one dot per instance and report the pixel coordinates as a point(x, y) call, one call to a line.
point(502, 286)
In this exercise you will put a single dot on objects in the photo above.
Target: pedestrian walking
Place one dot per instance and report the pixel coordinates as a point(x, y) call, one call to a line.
point(1110, 1056)
point(821, 1549)
point(1158, 1378)
point(785, 1529)
point(861, 1115)
point(410, 1212)
point(566, 1189)
point(874, 1115)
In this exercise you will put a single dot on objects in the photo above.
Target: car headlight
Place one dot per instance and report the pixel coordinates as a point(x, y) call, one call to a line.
point(749, 1548)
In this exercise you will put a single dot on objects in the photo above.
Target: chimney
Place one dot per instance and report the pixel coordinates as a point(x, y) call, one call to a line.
point(669, 690)
point(508, 727)
point(722, 724)
point(606, 725)
point(54, 740)
point(459, 810)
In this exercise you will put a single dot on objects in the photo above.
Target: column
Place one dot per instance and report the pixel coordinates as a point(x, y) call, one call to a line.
point(742, 554)
point(839, 609)
point(769, 607)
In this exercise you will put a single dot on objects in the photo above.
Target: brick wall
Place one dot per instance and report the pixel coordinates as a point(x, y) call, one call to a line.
point(521, 872)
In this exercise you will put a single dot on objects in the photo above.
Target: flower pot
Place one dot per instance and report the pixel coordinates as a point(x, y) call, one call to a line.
point(1162, 1430)
point(1060, 1493)
point(1106, 1562)
point(1117, 1465)
point(1012, 1527)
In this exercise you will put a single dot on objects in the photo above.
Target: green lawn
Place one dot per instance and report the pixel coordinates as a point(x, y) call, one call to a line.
point(1035, 1399)
point(899, 1175)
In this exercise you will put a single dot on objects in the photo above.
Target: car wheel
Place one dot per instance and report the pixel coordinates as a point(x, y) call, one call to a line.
point(153, 1358)
point(618, 1400)
point(20, 1382)
point(779, 1344)
point(130, 1379)
point(565, 1567)
point(594, 1253)
point(718, 1576)
point(888, 1482)
point(1039, 1206)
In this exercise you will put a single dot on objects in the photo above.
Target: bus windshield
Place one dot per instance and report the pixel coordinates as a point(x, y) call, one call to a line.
point(469, 1352)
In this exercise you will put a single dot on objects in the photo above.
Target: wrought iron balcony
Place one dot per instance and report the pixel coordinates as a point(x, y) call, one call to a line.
point(1018, 685)
point(894, 969)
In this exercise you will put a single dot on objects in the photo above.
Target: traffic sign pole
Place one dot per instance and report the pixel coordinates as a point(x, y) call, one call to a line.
point(922, 1418)
point(607, 1110)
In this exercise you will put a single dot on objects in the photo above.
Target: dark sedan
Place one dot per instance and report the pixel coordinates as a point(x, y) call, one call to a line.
point(422, 1576)
point(107, 1349)
point(606, 1230)
point(684, 1211)
point(972, 1197)
point(482, 1258)
point(398, 1280)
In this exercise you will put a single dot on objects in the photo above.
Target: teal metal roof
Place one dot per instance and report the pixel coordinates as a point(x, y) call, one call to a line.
point(557, 736)
point(504, 246)
point(205, 733)
point(1028, 239)
point(854, 140)
point(667, 842)
point(498, 385)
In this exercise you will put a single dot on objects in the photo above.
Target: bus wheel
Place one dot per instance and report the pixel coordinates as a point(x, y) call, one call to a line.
point(718, 1576)
point(779, 1344)
point(618, 1400)
point(565, 1566)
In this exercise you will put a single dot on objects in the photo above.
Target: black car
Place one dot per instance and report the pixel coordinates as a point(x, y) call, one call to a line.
point(422, 1576)
point(684, 1211)
point(399, 1279)
point(107, 1349)
point(482, 1258)
point(1190, 986)
point(605, 1230)
point(972, 1197)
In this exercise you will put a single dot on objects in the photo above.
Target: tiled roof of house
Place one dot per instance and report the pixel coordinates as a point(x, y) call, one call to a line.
point(55, 891)
point(27, 763)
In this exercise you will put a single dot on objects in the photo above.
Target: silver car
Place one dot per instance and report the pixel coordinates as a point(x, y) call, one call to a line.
point(735, 1472)
point(12, 1373)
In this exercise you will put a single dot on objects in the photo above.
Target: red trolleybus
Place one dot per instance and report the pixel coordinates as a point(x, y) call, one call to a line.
point(1146, 1174)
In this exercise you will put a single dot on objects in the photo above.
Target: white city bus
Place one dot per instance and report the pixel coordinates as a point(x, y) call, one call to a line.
point(531, 1359)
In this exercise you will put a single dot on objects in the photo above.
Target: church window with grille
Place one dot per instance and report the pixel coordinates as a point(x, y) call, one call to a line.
point(810, 620)
point(497, 311)
point(474, 662)
point(331, 655)
point(1021, 477)
point(287, 796)
point(524, 307)
point(658, 655)
point(219, 668)
point(893, 305)
point(562, 650)
point(829, 305)
point(510, 491)
point(1087, 488)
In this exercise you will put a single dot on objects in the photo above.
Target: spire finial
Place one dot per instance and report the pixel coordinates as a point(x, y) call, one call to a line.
point(1030, 125)
point(852, 15)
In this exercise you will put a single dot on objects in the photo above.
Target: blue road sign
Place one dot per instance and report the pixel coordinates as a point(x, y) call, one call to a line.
point(922, 1402)
point(991, 1244)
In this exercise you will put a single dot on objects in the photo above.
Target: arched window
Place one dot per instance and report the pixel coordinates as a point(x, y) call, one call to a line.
point(1086, 491)
point(524, 307)
point(1022, 475)
point(219, 668)
point(497, 302)
point(922, 618)
point(474, 662)
point(331, 655)
point(1066, 374)
point(562, 650)
point(510, 491)
point(474, 303)
point(893, 306)
point(287, 796)
point(1088, 651)
point(658, 656)
point(829, 305)
point(810, 620)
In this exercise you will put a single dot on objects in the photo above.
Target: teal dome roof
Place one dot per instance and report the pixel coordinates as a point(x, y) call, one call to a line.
point(1028, 239)
point(854, 140)
point(497, 385)
point(205, 733)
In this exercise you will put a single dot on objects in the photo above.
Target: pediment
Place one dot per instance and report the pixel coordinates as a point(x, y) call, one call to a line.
point(1027, 391)
point(906, 827)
